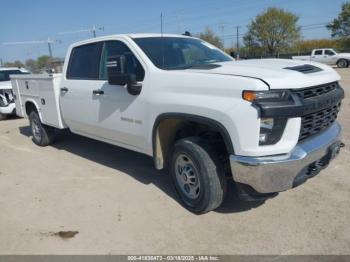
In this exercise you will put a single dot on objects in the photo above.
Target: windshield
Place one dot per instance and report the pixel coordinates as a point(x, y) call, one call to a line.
point(171, 53)
point(5, 74)
point(336, 51)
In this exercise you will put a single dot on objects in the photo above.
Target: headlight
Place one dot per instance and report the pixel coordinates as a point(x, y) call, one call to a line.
point(265, 96)
point(271, 130)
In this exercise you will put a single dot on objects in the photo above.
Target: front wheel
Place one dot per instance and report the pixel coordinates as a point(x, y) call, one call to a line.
point(198, 175)
point(42, 135)
point(342, 63)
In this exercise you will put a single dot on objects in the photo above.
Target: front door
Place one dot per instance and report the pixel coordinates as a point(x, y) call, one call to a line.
point(121, 116)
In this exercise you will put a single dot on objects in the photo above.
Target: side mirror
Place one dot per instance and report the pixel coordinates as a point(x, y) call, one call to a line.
point(118, 75)
point(116, 70)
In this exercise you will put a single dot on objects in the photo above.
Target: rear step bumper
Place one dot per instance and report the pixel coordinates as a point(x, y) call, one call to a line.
point(281, 172)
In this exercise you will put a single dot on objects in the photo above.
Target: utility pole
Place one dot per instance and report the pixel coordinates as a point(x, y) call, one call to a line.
point(49, 42)
point(161, 24)
point(1, 62)
point(49, 46)
point(222, 26)
point(92, 30)
point(237, 39)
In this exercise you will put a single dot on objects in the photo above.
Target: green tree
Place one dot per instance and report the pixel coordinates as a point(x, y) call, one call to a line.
point(17, 63)
point(209, 36)
point(308, 45)
point(32, 66)
point(43, 61)
point(273, 31)
point(340, 27)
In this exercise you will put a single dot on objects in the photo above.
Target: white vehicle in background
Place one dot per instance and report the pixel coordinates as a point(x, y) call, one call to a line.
point(267, 124)
point(7, 104)
point(327, 56)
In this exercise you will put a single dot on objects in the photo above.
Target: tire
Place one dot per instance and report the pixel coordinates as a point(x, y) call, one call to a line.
point(342, 63)
point(3, 117)
point(42, 135)
point(198, 176)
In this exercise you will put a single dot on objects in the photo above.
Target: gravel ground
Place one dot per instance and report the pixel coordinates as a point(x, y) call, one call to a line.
point(81, 196)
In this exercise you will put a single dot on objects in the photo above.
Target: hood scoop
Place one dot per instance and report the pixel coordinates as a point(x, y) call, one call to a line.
point(305, 69)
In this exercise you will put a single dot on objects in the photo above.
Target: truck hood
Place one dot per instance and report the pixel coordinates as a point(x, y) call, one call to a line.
point(5, 85)
point(273, 72)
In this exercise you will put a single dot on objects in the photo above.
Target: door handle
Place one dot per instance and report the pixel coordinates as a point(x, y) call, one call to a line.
point(64, 89)
point(98, 92)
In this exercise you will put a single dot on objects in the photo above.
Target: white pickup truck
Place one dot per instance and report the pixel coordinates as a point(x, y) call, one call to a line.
point(327, 56)
point(7, 104)
point(267, 124)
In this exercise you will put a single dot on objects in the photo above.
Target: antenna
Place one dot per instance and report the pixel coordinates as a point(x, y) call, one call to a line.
point(91, 30)
point(161, 24)
point(49, 42)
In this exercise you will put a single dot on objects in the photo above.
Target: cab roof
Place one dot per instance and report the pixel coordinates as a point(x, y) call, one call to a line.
point(140, 35)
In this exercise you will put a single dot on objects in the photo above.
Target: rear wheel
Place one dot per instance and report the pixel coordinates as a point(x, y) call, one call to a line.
point(198, 175)
point(3, 116)
point(42, 135)
point(342, 63)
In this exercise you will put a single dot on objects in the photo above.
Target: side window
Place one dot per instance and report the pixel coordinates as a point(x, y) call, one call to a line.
point(328, 52)
point(84, 62)
point(113, 48)
point(318, 52)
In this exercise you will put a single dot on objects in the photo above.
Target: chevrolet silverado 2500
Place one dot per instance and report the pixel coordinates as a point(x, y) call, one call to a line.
point(267, 124)
point(327, 56)
point(7, 105)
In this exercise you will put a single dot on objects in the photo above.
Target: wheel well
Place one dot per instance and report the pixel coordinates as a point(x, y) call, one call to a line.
point(168, 130)
point(347, 61)
point(30, 107)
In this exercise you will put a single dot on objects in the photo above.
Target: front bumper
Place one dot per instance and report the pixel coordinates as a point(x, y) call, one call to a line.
point(281, 172)
point(9, 109)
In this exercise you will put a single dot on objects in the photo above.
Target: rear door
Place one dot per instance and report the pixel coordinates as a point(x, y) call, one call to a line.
point(79, 105)
point(317, 56)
